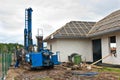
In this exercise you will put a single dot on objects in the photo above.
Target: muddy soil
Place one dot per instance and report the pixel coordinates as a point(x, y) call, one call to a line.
point(58, 73)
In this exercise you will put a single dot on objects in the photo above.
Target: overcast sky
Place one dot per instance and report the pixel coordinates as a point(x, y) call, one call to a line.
point(49, 15)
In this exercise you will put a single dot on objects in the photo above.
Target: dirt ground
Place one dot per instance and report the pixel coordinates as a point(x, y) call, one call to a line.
point(59, 73)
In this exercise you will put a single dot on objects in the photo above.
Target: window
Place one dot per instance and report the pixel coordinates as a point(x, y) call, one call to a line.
point(112, 40)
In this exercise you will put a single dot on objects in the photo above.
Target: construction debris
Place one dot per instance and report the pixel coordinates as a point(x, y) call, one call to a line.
point(60, 72)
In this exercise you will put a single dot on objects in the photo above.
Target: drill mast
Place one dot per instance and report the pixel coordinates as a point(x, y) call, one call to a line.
point(28, 42)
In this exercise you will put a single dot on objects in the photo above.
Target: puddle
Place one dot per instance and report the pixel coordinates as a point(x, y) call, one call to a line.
point(85, 74)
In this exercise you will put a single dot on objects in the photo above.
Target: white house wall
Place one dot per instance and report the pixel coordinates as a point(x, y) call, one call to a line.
point(54, 45)
point(106, 49)
point(69, 46)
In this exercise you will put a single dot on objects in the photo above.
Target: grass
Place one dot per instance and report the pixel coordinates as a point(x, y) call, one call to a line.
point(109, 69)
point(0, 59)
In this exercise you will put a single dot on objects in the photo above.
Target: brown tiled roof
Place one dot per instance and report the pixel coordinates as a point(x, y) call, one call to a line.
point(108, 24)
point(73, 29)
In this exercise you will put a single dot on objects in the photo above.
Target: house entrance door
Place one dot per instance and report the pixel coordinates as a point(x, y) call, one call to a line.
point(96, 50)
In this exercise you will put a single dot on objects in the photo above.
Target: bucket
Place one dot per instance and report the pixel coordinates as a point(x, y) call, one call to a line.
point(77, 59)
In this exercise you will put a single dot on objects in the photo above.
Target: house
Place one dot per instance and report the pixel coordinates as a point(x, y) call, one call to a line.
point(92, 40)
point(70, 39)
point(106, 34)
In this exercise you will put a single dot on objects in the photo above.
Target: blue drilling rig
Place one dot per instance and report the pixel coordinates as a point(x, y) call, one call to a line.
point(41, 58)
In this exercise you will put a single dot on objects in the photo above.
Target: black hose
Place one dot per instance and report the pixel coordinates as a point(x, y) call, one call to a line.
point(71, 57)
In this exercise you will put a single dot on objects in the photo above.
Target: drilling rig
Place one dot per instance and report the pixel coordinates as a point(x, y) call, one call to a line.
point(41, 58)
